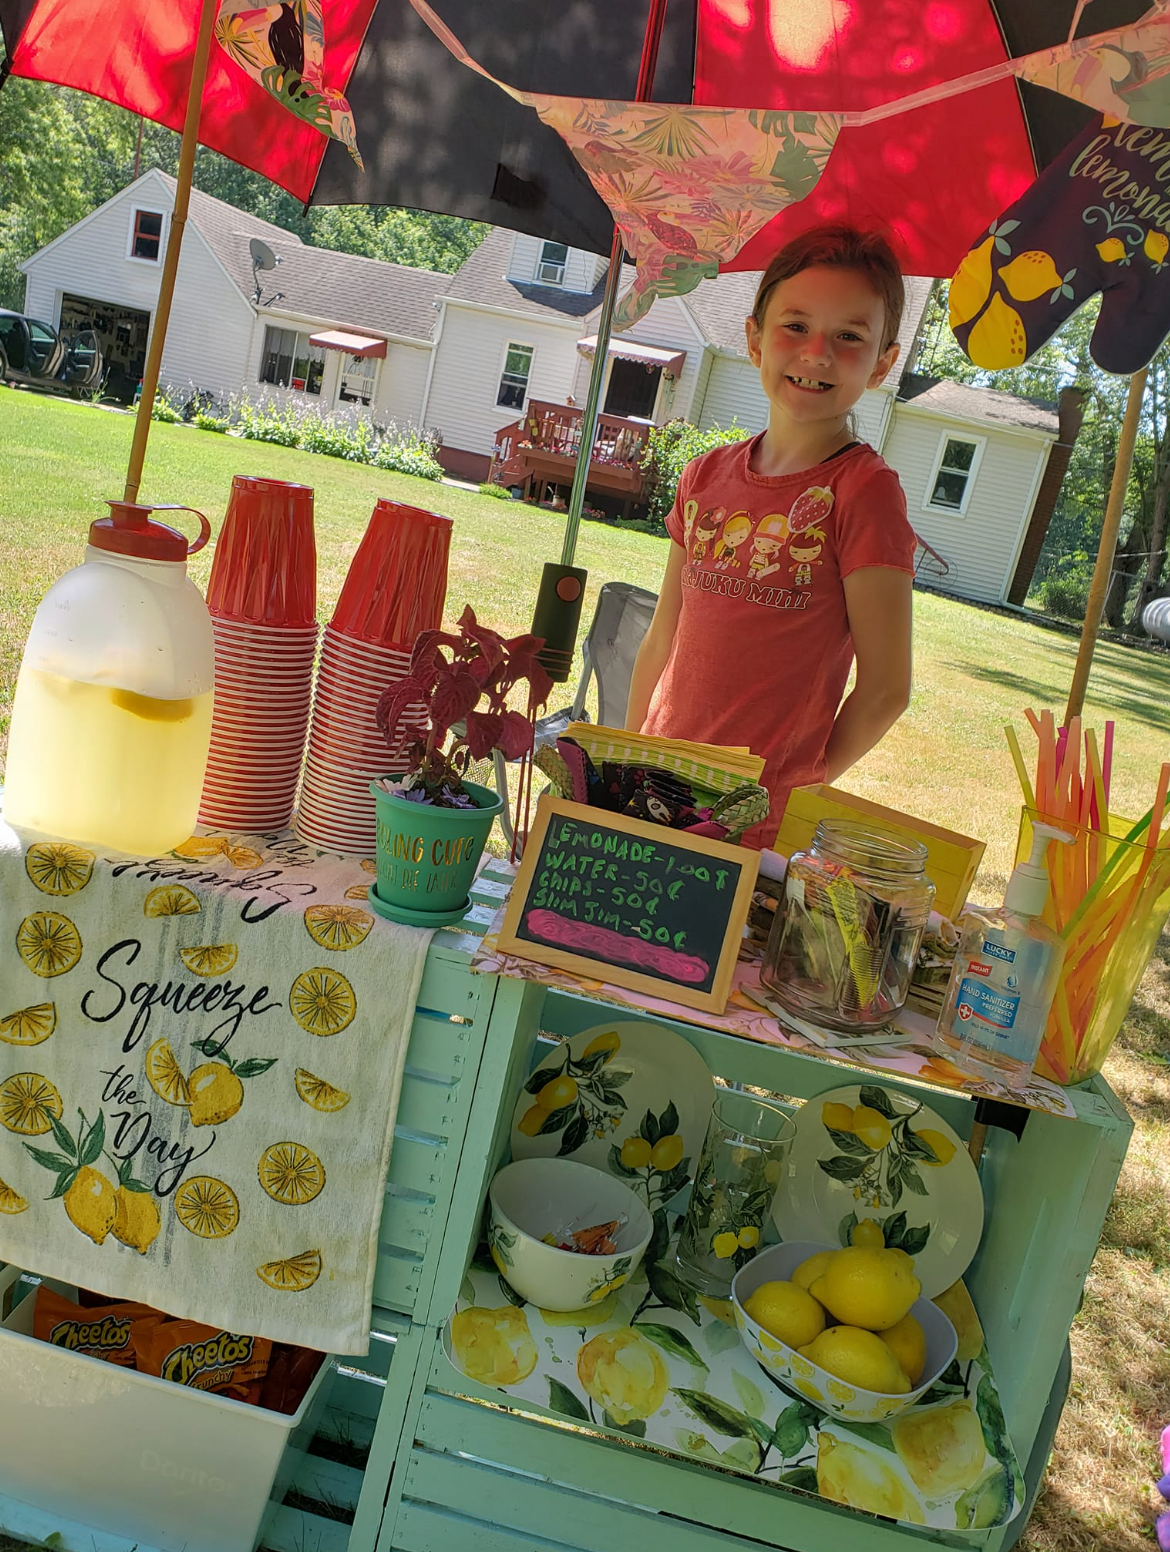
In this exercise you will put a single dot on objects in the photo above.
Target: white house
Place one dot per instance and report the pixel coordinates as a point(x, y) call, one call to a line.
point(468, 354)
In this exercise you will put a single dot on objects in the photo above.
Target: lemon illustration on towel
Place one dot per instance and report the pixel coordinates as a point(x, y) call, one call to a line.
point(171, 900)
point(291, 1173)
point(293, 1275)
point(29, 1026)
point(58, 867)
point(322, 1001)
point(29, 1104)
point(337, 927)
point(207, 1207)
point(319, 1094)
point(48, 943)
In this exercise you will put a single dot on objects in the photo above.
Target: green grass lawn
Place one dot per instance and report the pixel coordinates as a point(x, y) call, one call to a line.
point(945, 761)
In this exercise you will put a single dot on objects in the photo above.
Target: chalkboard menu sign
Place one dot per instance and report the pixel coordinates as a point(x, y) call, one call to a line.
point(637, 904)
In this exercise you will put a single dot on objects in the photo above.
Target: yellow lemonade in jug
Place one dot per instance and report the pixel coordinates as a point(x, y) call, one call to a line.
point(105, 765)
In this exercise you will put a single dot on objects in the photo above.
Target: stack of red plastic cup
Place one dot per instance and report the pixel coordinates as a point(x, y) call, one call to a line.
point(394, 589)
point(262, 599)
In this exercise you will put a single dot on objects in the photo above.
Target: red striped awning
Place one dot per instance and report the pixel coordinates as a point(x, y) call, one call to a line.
point(352, 344)
point(671, 361)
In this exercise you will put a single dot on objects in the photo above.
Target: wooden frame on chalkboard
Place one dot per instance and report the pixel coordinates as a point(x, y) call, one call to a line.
point(731, 910)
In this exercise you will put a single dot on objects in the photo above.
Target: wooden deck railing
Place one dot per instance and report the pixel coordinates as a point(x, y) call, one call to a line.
point(555, 429)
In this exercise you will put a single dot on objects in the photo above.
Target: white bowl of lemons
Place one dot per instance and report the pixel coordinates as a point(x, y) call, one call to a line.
point(845, 1329)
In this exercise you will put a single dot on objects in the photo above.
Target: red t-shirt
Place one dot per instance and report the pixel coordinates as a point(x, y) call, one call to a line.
point(762, 651)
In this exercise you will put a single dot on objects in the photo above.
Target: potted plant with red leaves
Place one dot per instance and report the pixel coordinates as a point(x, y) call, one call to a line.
point(452, 708)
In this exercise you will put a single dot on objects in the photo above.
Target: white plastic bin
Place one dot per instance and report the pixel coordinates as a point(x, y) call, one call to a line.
point(134, 1455)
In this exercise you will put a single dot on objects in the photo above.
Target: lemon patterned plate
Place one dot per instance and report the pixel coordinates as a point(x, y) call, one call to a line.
point(872, 1153)
point(629, 1097)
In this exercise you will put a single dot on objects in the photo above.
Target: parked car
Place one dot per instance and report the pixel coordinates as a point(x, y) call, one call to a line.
point(35, 353)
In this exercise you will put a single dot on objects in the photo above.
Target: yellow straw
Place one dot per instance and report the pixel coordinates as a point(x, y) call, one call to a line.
point(1021, 768)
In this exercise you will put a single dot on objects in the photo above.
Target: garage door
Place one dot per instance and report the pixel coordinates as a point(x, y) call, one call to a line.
point(121, 334)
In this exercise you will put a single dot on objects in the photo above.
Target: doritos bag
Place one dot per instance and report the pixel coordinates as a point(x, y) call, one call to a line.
point(205, 1359)
point(99, 1331)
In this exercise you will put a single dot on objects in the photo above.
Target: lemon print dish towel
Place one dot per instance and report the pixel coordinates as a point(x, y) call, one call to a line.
point(200, 1063)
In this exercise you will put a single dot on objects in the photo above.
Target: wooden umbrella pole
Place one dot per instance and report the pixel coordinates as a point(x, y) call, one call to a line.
point(1107, 548)
point(170, 269)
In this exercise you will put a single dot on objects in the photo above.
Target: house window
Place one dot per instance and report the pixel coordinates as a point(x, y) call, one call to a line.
point(950, 486)
point(359, 378)
point(289, 361)
point(551, 269)
point(146, 236)
point(514, 378)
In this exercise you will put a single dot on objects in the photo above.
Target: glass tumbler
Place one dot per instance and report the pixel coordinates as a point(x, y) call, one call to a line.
point(739, 1174)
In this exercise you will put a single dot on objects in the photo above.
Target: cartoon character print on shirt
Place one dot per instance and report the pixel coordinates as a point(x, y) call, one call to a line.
point(706, 528)
point(811, 506)
point(690, 512)
point(804, 552)
point(737, 530)
point(770, 539)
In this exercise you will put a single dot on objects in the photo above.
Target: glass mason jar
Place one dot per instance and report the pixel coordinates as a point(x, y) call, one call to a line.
point(842, 949)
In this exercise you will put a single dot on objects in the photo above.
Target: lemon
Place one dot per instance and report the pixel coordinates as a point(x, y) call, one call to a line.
point(839, 1118)
point(808, 1271)
point(532, 1120)
point(368, 865)
point(243, 856)
point(868, 1233)
point(725, 1244)
point(29, 1026)
point(788, 1312)
point(58, 868)
point(358, 892)
point(319, 1094)
point(871, 1126)
point(337, 927)
point(722, 1309)
point(136, 1219)
point(11, 1201)
point(210, 959)
point(293, 1275)
point(558, 1092)
point(91, 1203)
point(907, 1342)
point(322, 1002)
point(207, 1207)
point(291, 1173)
point(164, 1074)
point(1030, 275)
point(859, 1357)
point(999, 338)
point(27, 1101)
point(200, 847)
point(865, 1287)
point(48, 943)
point(636, 1153)
point(859, 1478)
point(666, 1153)
point(971, 284)
point(942, 1147)
point(493, 1346)
point(1111, 249)
point(609, 1042)
point(624, 1374)
point(171, 900)
point(955, 1303)
point(942, 1449)
point(748, 1237)
point(216, 1094)
point(1156, 246)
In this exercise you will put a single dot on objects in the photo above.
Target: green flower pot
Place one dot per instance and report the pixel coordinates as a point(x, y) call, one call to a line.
point(427, 856)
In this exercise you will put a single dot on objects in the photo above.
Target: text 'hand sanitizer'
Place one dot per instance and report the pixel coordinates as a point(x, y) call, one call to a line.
point(1007, 967)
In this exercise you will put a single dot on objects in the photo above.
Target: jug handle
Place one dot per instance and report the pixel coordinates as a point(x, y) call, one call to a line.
point(204, 525)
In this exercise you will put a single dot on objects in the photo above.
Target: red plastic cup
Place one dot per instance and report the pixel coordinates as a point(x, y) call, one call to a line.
point(265, 566)
point(397, 581)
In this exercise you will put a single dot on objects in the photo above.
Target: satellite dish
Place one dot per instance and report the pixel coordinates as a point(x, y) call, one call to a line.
point(262, 255)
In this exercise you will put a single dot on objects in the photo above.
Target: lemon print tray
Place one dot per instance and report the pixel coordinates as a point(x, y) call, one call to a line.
point(656, 1364)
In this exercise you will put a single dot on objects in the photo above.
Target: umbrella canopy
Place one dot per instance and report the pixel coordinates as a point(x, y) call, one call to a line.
point(433, 136)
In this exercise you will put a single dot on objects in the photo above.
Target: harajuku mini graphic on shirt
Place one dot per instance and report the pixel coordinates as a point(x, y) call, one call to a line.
point(769, 541)
point(757, 546)
point(737, 530)
point(804, 552)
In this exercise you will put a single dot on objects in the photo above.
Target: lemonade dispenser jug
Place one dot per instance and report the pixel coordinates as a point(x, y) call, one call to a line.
point(112, 716)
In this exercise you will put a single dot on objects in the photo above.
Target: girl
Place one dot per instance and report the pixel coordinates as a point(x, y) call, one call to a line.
point(736, 658)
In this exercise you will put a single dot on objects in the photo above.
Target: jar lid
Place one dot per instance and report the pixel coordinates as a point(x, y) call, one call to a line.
point(130, 530)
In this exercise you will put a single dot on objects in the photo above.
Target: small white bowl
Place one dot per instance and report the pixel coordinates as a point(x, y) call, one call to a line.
point(789, 1368)
point(534, 1197)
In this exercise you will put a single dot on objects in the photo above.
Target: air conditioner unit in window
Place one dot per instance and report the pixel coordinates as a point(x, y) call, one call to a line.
point(550, 274)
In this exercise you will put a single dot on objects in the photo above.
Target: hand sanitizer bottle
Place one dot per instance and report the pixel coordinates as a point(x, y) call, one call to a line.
point(1007, 967)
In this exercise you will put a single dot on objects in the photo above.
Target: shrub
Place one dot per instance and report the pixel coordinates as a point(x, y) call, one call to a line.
point(407, 452)
point(669, 449)
point(500, 492)
point(165, 408)
point(208, 422)
point(1064, 592)
point(269, 421)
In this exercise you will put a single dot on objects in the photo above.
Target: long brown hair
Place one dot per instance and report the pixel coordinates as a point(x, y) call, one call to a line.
point(842, 247)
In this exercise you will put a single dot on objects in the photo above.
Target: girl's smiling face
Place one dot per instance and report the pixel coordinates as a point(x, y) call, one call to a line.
point(820, 344)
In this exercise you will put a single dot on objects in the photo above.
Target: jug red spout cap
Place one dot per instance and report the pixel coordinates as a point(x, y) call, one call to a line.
point(131, 530)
